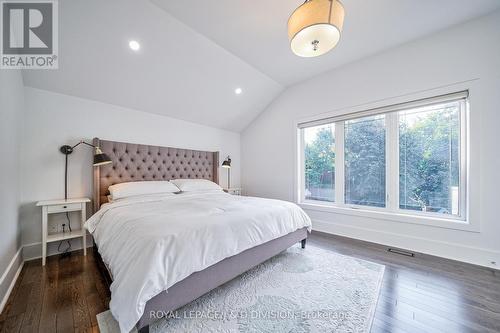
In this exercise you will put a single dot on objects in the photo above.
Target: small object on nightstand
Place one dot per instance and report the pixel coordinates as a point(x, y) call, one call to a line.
point(227, 165)
point(233, 191)
point(62, 206)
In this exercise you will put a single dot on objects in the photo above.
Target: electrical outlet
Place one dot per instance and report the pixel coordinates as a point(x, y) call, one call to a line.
point(53, 228)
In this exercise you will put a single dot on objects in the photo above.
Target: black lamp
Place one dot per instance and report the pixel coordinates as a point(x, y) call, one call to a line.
point(99, 159)
point(227, 165)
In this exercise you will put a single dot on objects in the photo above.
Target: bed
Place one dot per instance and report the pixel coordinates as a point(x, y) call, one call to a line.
point(135, 239)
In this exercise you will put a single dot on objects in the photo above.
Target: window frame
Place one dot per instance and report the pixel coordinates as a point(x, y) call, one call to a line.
point(391, 211)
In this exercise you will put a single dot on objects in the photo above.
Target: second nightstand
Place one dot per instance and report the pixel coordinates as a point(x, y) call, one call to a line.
point(62, 206)
point(233, 191)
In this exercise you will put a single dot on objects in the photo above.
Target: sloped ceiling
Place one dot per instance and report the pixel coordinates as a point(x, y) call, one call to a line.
point(195, 53)
point(177, 72)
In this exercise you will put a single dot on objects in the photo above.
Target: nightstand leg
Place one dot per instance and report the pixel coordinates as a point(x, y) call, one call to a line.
point(84, 232)
point(44, 234)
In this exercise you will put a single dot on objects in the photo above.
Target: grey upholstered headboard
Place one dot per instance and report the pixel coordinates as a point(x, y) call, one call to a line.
point(135, 162)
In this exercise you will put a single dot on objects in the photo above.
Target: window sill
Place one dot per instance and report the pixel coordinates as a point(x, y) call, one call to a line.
point(379, 214)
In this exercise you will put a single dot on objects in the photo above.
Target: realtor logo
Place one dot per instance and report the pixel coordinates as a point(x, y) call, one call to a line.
point(28, 34)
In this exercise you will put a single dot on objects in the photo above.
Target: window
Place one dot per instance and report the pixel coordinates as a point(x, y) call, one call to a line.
point(365, 161)
point(429, 166)
point(319, 151)
point(406, 159)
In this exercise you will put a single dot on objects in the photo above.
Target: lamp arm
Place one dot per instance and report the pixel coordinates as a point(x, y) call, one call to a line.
point(66, 150)
point(85, 143)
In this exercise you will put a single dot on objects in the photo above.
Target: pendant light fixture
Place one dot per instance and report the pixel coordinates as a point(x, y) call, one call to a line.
point(314, 28)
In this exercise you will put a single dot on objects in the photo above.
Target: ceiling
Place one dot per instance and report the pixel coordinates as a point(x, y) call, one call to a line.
point(256, 31)
point(177, 72)
point(195, 53)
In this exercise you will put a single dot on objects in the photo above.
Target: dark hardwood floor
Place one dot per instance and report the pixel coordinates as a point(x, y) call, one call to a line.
point(426, 293)
point(64, 296)
point(419, 294)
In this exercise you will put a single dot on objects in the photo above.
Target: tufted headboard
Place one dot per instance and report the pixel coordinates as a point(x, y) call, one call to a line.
point(135, 162)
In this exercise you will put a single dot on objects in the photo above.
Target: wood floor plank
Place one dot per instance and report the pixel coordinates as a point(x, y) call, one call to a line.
point(81, 317)
point(380, 326)
point(397, 323)
point(64, 321)
point(94, 300)
point(476, 302)
point(13, 324)
point(465, 313)
point(95, 306)
point(31, 320)
point(402, 317)
point(22, 297)
point(48, 316)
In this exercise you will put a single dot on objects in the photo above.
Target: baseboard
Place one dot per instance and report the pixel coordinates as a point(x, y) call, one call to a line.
point(10, 277)
point(453, 251)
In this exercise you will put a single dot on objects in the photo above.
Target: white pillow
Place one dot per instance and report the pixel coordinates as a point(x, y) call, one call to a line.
point(124, 190)
point(191, 185)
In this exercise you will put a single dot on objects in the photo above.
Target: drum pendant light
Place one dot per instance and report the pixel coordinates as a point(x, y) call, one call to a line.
point(315, 27)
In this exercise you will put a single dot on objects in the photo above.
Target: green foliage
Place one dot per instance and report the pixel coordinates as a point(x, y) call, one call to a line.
point(429, 164)
point(320, 165)
point(365, 162)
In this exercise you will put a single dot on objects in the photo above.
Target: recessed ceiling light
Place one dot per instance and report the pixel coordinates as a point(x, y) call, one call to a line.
point(238, 91)
point(134, 45)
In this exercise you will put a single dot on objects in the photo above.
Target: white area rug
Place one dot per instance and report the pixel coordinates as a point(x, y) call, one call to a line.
point(311, 290)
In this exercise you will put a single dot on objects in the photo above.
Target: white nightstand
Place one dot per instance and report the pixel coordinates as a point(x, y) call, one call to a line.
point(62, 206)
point(233, 191)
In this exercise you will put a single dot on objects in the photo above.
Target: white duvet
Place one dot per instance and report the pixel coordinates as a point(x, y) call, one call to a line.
point(149, 243)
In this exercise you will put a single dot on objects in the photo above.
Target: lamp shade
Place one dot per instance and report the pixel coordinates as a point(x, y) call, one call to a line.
point(100, 158)
point(315, 27)
point(227, 163)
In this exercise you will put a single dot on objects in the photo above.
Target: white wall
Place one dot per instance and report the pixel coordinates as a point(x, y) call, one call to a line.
point(53, 120)
point(11, 107)
point(468, 56)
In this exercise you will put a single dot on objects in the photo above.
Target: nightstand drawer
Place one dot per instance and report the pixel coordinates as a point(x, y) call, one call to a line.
point(64, 208)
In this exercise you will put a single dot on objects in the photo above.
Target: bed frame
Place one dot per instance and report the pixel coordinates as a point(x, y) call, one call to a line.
point(135, 162)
